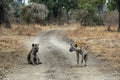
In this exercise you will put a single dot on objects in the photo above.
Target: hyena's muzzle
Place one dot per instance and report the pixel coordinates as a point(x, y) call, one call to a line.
point(72, 47)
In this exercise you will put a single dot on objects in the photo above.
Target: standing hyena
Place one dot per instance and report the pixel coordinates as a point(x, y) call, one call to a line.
point(80, 48)
point(32, 56)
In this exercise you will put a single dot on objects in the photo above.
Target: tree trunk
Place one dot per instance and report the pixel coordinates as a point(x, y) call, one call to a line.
point(4, 15)
point(55, 12)
point(118, 2)
point(6, 19)
point(119, 22)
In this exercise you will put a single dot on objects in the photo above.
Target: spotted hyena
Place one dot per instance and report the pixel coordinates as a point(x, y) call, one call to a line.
point(80, 49)
point(32, 56)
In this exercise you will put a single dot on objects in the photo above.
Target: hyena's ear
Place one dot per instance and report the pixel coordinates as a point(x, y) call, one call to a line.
point(86, 47)
point(76, 45)
point(33, 45)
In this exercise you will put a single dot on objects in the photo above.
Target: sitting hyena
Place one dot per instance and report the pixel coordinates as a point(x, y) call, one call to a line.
point(80, 48)
point(32, 56)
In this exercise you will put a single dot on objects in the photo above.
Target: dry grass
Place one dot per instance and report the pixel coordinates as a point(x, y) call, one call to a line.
point(95, 32)
point(11, 48)
point(12, 53)
point(28, 30)
point(104, 44)
point(12, 41)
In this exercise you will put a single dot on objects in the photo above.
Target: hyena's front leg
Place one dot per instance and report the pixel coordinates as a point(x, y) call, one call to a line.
point(38, 61)
point(77, 55)
point(82, 60)
point(86, 58)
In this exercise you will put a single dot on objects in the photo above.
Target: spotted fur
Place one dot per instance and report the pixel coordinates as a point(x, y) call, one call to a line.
point(80, 49)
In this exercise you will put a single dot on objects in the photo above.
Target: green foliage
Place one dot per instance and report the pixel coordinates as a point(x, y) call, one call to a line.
point(91, 9)
point(90, 12)
point(34, 13)
point(17, 8)
point(55, 5)
point(68, 4)
point(111, 5)
point(5, 13)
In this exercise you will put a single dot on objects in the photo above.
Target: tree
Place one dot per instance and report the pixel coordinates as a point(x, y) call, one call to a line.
point(113, 5)
point(17, 7)
point(4, 15)
point(34, 13)
point(90, 11)
point(69, 5)
point(100, 5)
point(55, 5)
point(89, 7)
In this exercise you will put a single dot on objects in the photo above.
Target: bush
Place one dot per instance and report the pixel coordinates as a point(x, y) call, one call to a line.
point(34, 13)
point(88, 17)
point(5, 9)
point(111, 18)
point(17, 6)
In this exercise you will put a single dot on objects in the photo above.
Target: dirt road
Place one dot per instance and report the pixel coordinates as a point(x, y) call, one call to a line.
point(57, 62)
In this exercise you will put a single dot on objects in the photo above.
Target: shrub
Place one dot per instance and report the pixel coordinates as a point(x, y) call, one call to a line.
point(111, 18)
point(34, 13)
point(88, 17)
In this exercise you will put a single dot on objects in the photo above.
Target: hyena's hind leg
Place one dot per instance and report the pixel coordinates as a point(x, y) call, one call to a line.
point(85, 59)
point(28, 59)
point(77, 55)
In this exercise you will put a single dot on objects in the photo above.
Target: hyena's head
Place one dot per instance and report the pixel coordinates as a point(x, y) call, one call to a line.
point(73, 47)
point(35, 47)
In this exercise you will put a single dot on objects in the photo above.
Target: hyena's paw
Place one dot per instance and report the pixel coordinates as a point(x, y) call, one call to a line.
point(40, 62)
point(85, 65)
point(33, 64)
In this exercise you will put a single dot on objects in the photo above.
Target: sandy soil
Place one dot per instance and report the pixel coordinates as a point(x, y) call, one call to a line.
point(58, 63)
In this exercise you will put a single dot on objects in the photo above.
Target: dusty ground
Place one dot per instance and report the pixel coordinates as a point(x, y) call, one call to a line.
point(58, 62)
